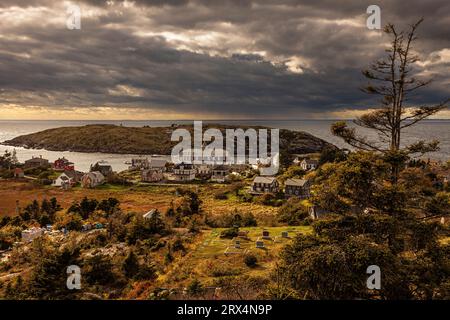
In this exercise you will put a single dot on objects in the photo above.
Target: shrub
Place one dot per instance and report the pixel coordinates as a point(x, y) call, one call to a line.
point(98, 270)
point(229, 233)
point(178, 245)
point(221, 196)
point(292, 212)
point(250, 260)
point(195, 288)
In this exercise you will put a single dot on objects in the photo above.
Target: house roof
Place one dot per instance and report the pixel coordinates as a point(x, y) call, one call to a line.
point(96, 174)
point(158, 163)
point(186, 166)
point(311, 161)
point(220, 168)
point(149, 214)
point(296, 182)
point(108, 166)
point(73, 174)
point(260, 179)
point(36, 159)
point(102, 165)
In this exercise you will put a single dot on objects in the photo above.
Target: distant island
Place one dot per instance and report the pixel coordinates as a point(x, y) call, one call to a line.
point(107, 138)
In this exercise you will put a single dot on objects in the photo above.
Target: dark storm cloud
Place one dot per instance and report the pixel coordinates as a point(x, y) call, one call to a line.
point(230, 58)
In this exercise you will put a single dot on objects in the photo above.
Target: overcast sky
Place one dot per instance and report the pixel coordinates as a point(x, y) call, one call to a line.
point(209, 59)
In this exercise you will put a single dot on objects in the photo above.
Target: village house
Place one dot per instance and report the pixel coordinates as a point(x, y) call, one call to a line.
point(309, 164)
point(203, 171)
point(68, 179)
point(265, 184)
point(92, 179)
point(139, 163)
point(220, 173)
point(36, 162)
point(102, 167)
point(297, 161)
point(29, 235)
point(152, 175)
point(157, 163)
point(184, 172)
point(18, 173)
point(62, 164)
point(297, 188)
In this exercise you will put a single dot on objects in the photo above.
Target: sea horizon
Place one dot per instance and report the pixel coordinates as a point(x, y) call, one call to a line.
point(429, 129)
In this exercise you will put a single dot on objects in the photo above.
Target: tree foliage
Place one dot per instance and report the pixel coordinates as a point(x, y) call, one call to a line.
point(395, 79)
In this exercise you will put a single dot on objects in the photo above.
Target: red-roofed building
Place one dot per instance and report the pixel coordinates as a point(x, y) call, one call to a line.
point(62, 164)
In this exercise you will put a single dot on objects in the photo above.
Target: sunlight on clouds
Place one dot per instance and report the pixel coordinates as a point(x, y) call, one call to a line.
point(124, 90)
point(436, 57)
point(295, 64)
point(16, 112)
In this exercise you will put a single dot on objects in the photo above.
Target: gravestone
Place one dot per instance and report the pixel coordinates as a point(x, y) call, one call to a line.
point(265, 234)
point(242, 234)
point(260, 244)
point(237, 244)
point(284, 234)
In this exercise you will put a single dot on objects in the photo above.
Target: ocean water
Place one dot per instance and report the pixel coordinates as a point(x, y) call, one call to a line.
point(426, 130)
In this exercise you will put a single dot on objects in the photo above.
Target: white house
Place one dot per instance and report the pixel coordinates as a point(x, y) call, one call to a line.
point(32, 233)
point(67, 178)
point(309, 164)
point(203, 169)
point(220, 173)
point(184, 172)
point(92, 179)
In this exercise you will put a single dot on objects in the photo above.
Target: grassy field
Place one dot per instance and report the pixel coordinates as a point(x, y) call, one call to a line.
point(214, 246)
point(208, 261)
point(138, 198)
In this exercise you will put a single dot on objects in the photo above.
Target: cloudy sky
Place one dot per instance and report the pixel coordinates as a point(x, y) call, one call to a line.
point(206, 59)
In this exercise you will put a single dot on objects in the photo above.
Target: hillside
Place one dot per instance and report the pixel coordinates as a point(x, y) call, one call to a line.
point(140, 140)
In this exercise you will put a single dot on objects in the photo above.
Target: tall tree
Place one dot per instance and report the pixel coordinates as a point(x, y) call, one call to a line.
point(394, 79)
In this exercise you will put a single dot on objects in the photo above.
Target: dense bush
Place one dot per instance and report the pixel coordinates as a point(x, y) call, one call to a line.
point(229, 233)
point(250, 260)
point(141, 229)
point(292, 212)
point(228, 220)
point(195, 288)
